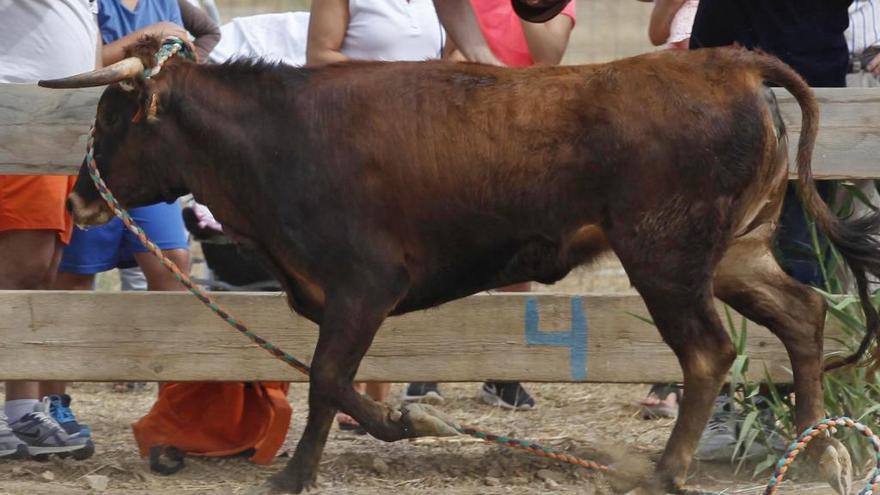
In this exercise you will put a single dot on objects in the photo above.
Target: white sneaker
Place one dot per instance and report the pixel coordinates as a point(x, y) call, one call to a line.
point(44, 436)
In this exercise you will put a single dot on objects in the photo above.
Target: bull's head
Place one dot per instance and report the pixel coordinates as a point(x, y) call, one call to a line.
point(132, 143)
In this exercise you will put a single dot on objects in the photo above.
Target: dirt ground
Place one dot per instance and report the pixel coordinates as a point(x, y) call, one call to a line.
point(581, 419)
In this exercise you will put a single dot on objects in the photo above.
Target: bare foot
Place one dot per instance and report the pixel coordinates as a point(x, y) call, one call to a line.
point(347, 423)
point(661, 402)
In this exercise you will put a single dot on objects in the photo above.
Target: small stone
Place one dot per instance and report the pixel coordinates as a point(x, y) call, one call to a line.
point(546, 474)
point(380, 466)
point(97, 482)
point(48, 476)
point(490, 481)
point(549, 483)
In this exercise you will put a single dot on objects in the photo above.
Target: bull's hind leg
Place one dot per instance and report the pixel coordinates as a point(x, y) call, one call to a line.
point(689, 324)
point(750, 280)
point(675, 282)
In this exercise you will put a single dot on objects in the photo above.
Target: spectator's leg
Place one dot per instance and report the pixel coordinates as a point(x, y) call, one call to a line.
point(30, 259)
point(509, 395)
point(158, 277)
point(379, 391)
point(66, 281)
point(793, 238)
point(29, 262)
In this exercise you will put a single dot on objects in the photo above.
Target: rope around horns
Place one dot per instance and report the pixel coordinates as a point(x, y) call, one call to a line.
point(173, 46)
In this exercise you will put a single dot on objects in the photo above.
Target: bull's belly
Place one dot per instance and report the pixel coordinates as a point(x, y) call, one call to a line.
point(540, 259)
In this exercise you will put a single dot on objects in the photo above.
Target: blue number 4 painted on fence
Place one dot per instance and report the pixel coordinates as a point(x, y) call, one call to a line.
point(574, 338)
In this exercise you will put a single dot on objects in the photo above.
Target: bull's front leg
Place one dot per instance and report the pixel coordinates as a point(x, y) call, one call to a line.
point(347, 330)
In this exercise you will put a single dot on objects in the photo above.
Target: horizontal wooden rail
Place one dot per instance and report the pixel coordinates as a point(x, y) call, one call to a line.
point(108, 336)
point(43, 131)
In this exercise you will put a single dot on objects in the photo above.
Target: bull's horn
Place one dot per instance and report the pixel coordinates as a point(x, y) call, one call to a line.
point(120, 71)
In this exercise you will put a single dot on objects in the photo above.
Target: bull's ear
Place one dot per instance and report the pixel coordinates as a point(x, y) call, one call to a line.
point(150, 93)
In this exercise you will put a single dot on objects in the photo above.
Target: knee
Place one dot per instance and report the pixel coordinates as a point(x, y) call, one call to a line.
point(33, 275)
point(180, 257)
point(160, 278)
point(74, 281)
point(327, 386)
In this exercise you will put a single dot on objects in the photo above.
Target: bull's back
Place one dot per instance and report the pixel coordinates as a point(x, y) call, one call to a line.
point(466, 166)
point(462, 139)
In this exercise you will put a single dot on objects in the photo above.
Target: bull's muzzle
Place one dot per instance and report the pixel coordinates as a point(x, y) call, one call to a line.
point(88, 214)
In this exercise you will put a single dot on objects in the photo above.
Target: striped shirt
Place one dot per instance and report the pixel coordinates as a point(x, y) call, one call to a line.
point(864, 25)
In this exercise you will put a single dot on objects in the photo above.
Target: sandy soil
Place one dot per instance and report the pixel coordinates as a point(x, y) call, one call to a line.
point(581, 419)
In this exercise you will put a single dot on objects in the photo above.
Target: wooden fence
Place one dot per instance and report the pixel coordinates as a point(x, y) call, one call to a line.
point(101, 336)
point(44, 131)
point(155, 336)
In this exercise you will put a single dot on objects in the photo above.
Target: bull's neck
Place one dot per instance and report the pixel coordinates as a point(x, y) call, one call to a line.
point(216, 165)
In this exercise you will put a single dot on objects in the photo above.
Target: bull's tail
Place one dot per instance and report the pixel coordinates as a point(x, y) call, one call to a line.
point(855, 239)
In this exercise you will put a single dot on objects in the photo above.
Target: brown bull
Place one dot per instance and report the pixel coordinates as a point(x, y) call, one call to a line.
point(374, 189)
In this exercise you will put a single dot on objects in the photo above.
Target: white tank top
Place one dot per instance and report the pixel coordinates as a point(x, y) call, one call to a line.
point(46, 39)
point(683, 22)
point(393, 30)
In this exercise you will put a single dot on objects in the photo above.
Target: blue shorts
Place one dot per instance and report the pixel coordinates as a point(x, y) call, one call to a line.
point(109, 246)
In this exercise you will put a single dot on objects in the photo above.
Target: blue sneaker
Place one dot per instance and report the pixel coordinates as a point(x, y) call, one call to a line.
point(59, 409)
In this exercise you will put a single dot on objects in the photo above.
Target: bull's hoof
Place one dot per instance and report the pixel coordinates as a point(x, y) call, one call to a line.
point(422, 420)
point(835, 464)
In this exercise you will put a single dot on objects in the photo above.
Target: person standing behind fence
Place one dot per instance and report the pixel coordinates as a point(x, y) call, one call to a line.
point(122, 22)
point(671, 23)
point(863, 42)
point(809, 36)
point(389, 30)
point(41, 39)
point(516, 43)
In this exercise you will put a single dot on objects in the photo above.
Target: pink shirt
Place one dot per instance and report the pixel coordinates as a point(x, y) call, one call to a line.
point(503, 31)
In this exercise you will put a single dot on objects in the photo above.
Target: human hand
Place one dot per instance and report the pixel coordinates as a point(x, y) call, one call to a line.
point(164, 30)
point(874, 65)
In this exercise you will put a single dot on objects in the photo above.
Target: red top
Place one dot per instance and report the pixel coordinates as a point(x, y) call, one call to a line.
point(502, 29)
